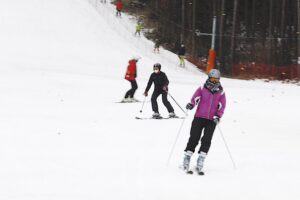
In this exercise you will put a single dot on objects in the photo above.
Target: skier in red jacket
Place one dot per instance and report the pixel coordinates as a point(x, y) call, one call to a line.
point(119, 7)
point(130, 75)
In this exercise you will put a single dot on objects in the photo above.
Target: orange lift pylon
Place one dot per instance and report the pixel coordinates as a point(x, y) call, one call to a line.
point(212, 54)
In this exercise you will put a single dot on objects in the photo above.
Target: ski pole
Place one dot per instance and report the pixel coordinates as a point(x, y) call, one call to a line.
point(143, 104)
point(177, 104)
point(175, 142)
point(233, 163)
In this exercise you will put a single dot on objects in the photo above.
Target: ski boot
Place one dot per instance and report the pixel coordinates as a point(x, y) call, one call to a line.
point(156, 115)
point(172, 115)
point(186, 161)
point(200, 162)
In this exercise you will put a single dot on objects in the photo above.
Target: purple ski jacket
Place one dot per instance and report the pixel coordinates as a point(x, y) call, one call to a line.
point(209, 104)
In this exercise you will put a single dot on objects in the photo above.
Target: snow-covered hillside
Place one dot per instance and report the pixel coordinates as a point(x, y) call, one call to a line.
point(63, 136)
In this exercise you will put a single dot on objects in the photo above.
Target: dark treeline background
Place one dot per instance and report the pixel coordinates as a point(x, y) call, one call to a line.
point(248, 32)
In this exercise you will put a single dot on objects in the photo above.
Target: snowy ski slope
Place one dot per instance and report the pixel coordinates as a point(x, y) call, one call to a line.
point(63, 137)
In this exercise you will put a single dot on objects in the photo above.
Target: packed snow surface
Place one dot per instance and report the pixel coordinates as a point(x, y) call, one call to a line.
point(64, 137)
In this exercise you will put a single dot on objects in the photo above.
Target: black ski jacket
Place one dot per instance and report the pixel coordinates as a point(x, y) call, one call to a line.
point(181, 51)
point(160, 80)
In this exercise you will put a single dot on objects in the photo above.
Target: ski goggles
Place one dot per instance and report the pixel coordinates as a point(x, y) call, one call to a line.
point(214, 80)
point(155, 69)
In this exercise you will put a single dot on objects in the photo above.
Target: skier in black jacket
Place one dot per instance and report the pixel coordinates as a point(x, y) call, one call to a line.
point(181, 55)
point(161, 83)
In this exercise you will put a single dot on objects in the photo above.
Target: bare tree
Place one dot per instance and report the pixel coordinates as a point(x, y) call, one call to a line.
point(248, 31)
point(270, 43)
point(221, 29)
point(194, 29)
point(232, 45)
point(182, 20)
point(298, 36)
point(282, 27)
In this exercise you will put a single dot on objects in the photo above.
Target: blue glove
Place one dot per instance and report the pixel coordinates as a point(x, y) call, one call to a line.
point(189, 106)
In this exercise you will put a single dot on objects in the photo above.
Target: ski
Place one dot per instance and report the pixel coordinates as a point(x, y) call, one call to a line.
point(142, 118)
point(128, 102)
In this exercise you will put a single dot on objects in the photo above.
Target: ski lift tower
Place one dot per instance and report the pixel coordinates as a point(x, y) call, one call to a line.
point(211, 61)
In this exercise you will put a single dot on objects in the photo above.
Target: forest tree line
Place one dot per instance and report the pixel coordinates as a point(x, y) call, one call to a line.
point(247, 31)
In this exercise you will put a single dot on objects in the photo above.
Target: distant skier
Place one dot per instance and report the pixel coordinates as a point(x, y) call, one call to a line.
point(211, 102)
point(131, 74)
point(181, 55)
point(119, 7)
point(156, 46)
point(161, 83)
point(138, 29)
point(103, 1)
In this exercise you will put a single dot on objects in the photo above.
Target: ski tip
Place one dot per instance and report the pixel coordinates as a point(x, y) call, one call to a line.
point(134, 101)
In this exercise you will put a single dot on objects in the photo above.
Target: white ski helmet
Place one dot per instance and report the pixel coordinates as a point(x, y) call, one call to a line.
point(214, 73)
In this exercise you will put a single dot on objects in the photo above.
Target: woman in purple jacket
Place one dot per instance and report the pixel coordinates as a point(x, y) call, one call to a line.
point(211, 102)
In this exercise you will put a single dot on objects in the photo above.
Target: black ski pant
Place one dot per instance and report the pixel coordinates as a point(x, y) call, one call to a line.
point(165, 101)
point(118, 13)
point(130, 93)
point(198, 125)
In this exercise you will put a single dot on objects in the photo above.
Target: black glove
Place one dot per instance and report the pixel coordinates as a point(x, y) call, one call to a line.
point(216, 119)
point(145, 93)
point(189, 106)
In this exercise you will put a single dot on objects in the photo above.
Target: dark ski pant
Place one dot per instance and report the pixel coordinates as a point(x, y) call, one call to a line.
point(165, 101)
point(198, 125)
point(118, 13)
point(130, 93)
point(137, 32)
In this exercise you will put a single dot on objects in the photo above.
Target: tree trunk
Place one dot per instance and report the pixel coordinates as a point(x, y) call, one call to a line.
point(264, 30)
point(270, 35)
point(193, 29)
point(156, 5)
point(182, 21)
point(298, 37)
point(282, 30)
point(233, 35)
point(221, 27)
point(253, 21)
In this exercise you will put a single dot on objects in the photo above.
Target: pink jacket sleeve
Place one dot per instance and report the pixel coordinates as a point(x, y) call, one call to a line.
point(222, 105)
point(196, 97)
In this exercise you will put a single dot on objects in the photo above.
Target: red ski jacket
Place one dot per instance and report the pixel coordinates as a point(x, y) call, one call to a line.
point(131, 70)
point(119, 5)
